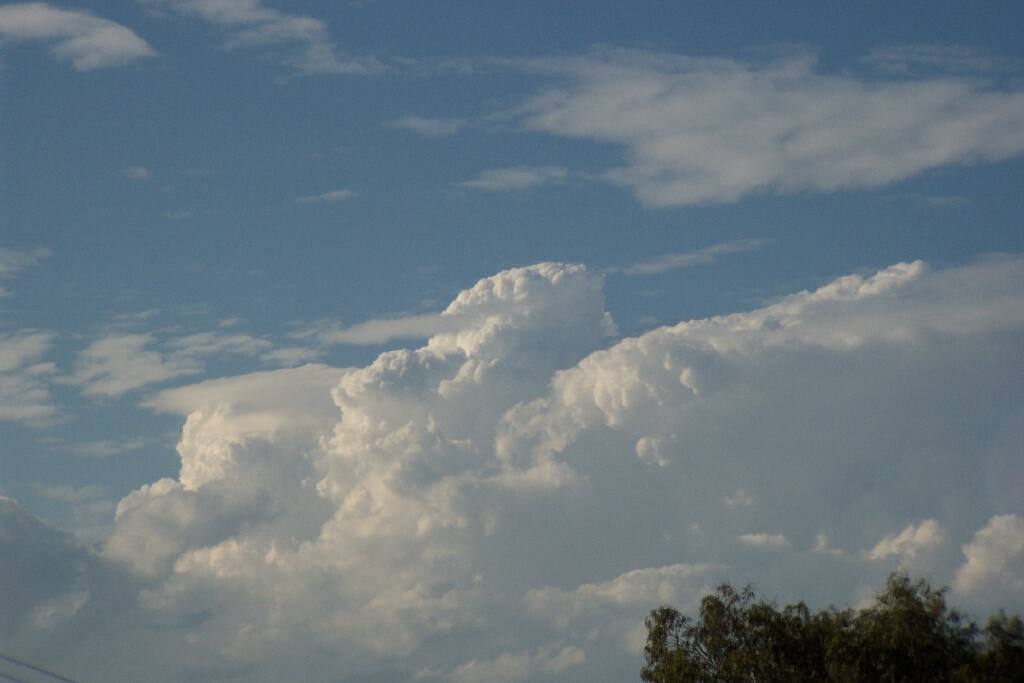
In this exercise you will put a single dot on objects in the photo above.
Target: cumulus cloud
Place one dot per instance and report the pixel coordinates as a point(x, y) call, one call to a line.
point(516, 178)
point(429, 127)
point(481, 505)
point(87, 41)
point(703, 130)
point(914, 540)
point(253, 24)
point(994, 565)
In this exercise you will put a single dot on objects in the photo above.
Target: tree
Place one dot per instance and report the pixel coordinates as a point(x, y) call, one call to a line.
point(909, 635)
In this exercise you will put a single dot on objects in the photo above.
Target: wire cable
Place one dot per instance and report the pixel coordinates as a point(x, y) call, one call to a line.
point(33, 667)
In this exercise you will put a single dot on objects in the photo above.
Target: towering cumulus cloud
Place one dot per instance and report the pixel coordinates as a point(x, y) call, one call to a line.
point(506, 502)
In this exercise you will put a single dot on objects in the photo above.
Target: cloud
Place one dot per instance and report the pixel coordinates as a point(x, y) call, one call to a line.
point(764, 540)
point(429, 127)
point(701, 257)
point(475, 505)
point(70, 494)
point(122, 362)
point(904, 60)
point(740, 499)
point(330, 197)
point(119, 363)
point(135, 173)
point(511, 668)
point(516, 178)
point(381, 330)
point(13, 261)
point(994, 565)
point(106, 448)
point(913, 541)
point(706, 131)
point(25, 376)
point(85, 40)
point(251, 24)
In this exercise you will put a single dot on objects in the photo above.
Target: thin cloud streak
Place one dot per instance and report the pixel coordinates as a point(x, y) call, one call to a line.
point(516, 178)
point(429, 127)
point(701, 257)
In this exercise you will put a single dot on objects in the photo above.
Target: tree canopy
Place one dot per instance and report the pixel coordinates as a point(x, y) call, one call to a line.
point(908, 635)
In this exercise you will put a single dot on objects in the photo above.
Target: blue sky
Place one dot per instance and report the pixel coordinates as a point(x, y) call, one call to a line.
point(197, 190)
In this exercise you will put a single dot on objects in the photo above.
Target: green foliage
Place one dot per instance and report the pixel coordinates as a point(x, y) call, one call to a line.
point(908, 636)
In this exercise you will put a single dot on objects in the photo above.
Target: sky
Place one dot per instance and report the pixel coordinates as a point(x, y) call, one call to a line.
point(392, 341)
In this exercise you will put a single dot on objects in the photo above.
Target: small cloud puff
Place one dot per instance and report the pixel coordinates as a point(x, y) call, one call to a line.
point(330, 197)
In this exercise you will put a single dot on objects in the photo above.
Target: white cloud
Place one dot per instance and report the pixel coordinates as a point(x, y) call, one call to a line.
point(291, 355)
point(253, 24)
point(688, 259)
point(119, 363)
point(87, 41)
point(994, 566)
point(905, 60)
point(12, 261)
point(70, 494)
point(106, 448)
point(457, 509)
point(24, 378)
point(738, 500)
point(429, 127)
point(516, 178)
point(381, 330)
point(135, 173)
point(330, 197)
point(765, 540)
point(511, 668)
point(698, 131)
point(913, 541)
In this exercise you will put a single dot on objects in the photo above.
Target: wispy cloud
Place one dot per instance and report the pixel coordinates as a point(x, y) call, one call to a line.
point(431, 128)
point(689, 259)
point(378, 331)
point(70, 494)
point(904, 60)
point(87, 41)
point(119, 363)
point(765, 540)
point(516, 178)
point(135, 173)
point(12, 261)
point(25, 376)
point(252, 24)
point(331, 197)
point(699, 131)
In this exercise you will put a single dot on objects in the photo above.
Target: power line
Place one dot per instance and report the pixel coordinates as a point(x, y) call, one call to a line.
point(33, 667)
